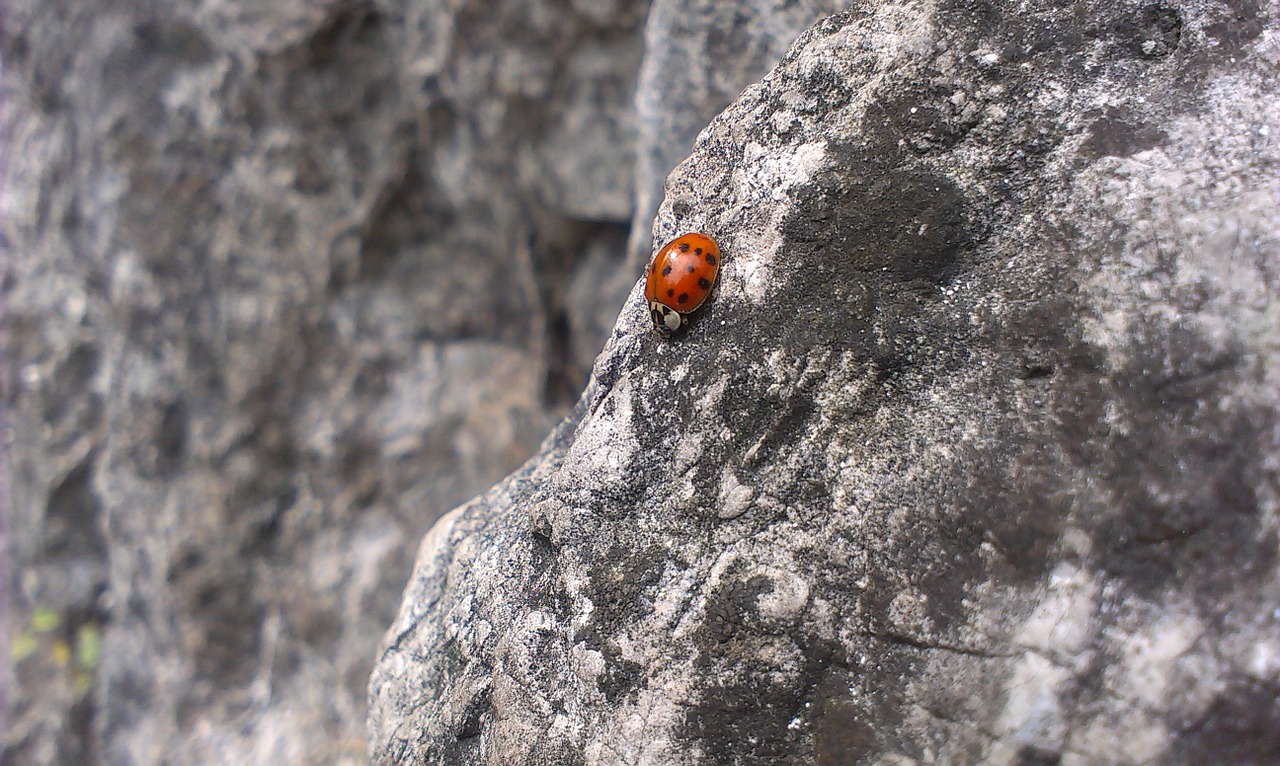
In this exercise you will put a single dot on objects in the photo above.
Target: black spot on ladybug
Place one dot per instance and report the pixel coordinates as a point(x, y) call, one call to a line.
point(711, 259)
point(690, 269)
point(697, 251)
point(682, 298)
point(666, 270)
point(703, 283)
point(684, 247)
point(670, 292)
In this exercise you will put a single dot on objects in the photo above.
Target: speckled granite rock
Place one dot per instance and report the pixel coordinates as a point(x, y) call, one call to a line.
point(973, 457)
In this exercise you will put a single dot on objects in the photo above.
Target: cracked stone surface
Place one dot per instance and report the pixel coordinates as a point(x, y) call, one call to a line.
point(972, 457)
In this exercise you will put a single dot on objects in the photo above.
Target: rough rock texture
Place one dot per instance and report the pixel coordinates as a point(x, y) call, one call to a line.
point(699, 55)
point(275, 303)
point(285, 281)
point(973, 457)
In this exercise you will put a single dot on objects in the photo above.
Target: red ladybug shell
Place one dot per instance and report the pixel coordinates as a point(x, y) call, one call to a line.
point(680, 276)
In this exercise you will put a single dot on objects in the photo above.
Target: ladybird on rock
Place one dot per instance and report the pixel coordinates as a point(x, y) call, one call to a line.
point(679, 278)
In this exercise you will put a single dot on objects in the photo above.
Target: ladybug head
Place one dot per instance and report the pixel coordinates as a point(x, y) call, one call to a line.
point(666, 320)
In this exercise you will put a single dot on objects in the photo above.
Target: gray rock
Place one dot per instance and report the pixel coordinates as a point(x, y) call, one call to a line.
point(699, 55)
point(972, 457)
point(281, 289)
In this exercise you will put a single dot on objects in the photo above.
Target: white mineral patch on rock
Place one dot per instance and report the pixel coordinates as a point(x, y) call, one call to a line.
point(788, 598)
point(1032, 713)
point(606, 444)
point(644, 731)
point(1062, 624)
point(767, 181)
point(735, 497)
point(1152, 655)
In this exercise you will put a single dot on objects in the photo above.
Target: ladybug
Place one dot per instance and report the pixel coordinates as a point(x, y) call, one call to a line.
point(679, 278)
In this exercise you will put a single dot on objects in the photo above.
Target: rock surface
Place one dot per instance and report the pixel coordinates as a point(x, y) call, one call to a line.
point(699, 55)
point(274, 306)
point(973, 457)
point(284, 282)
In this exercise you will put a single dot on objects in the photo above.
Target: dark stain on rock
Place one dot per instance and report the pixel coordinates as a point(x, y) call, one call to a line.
point(621, 677)
point(1119, 133)
point(730, 607)
point(922, 120)
point(1153, 32)
point(942, 554)
point(845, 730)
point(1034, 755)
point(877, 237)
point(174, 40)
point(228, 626)
point(474, 716)
point(1241, 725)
point(842, 733)
point(1233, 26)
point(759, 717)
point(1065, 36)
point(70, 400)
point(876, 217)
point(346, 27)
point(747, 721)
point(72, 526)
point(170, 439)
point(1176, 477)
point(621, 582)
point(722, 620)
point(764, 422)
point(768, 428)
point(829, 88)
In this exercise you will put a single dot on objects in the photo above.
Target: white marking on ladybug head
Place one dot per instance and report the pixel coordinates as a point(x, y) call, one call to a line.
point(674, 320)
point(666, 320)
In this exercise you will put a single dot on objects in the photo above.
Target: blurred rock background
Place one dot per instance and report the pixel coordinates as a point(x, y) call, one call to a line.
point(283, 283)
